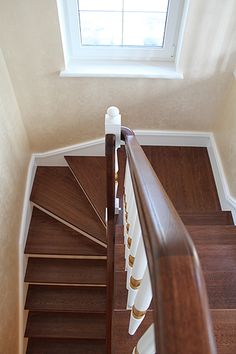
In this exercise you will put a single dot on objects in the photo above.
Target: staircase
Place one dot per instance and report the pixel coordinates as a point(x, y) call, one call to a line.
point(66, 248)
point(67, 252)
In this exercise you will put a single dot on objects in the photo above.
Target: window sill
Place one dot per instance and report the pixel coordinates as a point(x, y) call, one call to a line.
point(161, 70)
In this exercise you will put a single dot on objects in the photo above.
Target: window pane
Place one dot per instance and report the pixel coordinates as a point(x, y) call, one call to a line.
point(101, 28)
point(146, 5)
point(102, 5)
point(145, 29)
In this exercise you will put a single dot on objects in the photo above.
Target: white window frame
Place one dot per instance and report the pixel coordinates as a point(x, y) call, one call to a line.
point(115, 61)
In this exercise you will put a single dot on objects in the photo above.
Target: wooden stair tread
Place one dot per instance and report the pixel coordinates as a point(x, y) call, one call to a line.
point(68, 271)
point(48, 236)
point(90, 172)
point(65, 325)
point(56, 190)
point(221, 289)
point(215, 234)
point(66, 298)
point(224, 323)
point(216, 247)
point(65, 346)
point(207, 218)
point(186, 175)
point(124, 343)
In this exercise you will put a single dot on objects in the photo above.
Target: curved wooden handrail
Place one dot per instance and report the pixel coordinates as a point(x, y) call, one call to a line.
point(181, 312)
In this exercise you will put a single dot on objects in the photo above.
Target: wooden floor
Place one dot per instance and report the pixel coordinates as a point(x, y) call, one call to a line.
point(186, 175)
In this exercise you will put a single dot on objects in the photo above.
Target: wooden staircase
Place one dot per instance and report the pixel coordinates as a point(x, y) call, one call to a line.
point(66, 270)
point(67, 253)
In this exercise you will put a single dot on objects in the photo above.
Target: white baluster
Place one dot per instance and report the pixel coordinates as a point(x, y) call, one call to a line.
point(146, 344)
point(132, 216)
point(127, 201)
point(138, 269)
point(133, 249)
point(141, 303)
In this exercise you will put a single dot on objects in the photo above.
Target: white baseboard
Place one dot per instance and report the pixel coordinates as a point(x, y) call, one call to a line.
point(97, 147)
point(25, 221)
point(172, 138)
point(226, 200)
point(56, 157)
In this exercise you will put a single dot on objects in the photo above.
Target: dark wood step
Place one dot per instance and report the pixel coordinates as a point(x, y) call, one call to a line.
point(216, 247)
point(56, 190)
point(66, 346)
point(123, 343)
point(224, 322)
point(65, 325)
point(186, 175)
point(213, 235)
point(207, 218)
point(221, 289)
point(90, 172)
point(48, 236)
point(66, 298)
point(68, 271)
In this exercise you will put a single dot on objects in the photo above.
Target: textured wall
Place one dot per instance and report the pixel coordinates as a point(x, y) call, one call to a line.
point(225, 134)
point(14, 157)
point(62, 111)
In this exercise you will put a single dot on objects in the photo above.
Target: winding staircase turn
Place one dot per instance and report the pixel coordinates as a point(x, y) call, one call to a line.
point(67, 253)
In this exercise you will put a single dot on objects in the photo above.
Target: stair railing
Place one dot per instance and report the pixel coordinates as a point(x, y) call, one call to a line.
point(162, 265)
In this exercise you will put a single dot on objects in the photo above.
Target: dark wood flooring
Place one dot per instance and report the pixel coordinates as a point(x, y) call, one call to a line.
point(186, 175)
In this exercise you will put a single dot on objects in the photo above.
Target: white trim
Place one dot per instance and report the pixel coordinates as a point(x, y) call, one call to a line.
point(25, 221)
point(226, 200)
point(126, 69)
point(56, 157)
point(172, 138)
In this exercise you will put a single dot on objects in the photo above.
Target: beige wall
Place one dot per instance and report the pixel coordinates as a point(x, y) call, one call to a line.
point(62, 111)
point(225, 134)
point(14, 157)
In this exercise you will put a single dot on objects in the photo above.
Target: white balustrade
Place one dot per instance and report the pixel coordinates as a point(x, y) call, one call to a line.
point(138, 269)
point(138, 279)
point(146, 344)
point(141, 303)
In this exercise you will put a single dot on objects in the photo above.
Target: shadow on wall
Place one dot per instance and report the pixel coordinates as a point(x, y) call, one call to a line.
point(210, 44)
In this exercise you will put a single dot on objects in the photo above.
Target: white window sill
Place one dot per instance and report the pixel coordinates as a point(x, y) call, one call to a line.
point(163, 70)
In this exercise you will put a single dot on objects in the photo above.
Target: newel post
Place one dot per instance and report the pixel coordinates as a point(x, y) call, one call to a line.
point(113, 126)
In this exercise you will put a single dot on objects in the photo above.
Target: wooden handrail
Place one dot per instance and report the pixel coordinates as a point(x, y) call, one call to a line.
point(181, 312)
point(110, 196)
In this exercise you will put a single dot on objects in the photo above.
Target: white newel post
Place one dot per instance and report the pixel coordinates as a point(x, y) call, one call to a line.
point(113, 126)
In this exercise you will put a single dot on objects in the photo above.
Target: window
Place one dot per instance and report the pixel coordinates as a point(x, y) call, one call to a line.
point(119, 37)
